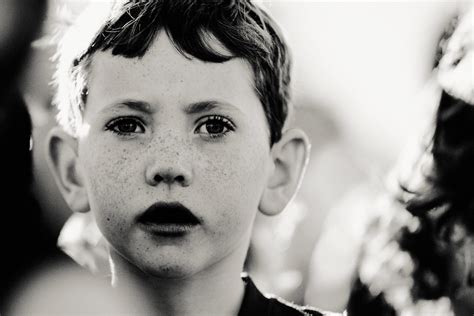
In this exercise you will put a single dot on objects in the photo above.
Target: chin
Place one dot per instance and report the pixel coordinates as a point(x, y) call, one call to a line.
point(169, 271)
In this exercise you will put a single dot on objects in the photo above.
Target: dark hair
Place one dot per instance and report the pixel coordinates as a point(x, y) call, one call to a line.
point(431, 226)
point(244, 29)
point(451, 177)
point(446, 206)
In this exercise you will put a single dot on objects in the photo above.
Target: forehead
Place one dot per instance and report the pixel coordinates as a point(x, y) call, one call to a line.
point(164, 76)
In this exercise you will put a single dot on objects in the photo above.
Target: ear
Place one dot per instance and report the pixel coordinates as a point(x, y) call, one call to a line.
point(64, 164)
point(290, 156)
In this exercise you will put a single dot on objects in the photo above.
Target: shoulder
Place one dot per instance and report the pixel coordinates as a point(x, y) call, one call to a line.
point(255, 303)
point(279, 306)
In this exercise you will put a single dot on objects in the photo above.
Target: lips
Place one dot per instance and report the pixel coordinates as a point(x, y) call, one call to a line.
point(168, 219)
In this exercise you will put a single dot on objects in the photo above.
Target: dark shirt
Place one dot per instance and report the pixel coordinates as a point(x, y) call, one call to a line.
point(256, 304)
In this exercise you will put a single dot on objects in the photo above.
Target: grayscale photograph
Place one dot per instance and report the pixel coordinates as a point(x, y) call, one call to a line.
point(237, 157)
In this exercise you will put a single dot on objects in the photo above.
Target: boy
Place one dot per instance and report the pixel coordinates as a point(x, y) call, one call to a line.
point(172, 116)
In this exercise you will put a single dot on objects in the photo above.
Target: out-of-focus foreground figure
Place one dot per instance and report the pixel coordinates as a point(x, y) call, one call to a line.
point(23, 240)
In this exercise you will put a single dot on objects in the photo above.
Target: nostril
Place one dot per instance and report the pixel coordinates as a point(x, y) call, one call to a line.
point(158, 178)
point(167, 176)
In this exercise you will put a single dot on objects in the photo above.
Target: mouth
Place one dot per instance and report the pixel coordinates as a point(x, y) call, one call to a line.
point(168, 219)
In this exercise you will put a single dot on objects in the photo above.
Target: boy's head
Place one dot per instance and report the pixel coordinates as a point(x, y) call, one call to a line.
point(169, 143)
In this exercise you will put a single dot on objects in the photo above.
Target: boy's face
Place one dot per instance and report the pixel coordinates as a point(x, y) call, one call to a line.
point(167, 129)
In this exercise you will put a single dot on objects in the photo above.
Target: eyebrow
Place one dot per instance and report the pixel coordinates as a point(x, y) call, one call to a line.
point(203, 106)
point(140, 106)
point(192, 108)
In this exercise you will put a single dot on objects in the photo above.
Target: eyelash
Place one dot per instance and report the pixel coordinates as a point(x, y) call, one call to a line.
point(217, 120)
point(114, 125)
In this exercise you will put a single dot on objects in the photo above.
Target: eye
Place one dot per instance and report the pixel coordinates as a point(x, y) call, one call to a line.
point(214, 126)
point(126, 126)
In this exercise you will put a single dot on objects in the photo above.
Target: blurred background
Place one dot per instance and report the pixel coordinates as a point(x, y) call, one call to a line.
point(361, 90)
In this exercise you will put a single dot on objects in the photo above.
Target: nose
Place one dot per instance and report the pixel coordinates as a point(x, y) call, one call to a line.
point(169, 174)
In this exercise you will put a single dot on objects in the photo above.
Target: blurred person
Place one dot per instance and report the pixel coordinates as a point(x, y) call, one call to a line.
point(334, 265)
point(25, 242)
point(418, 256)
point(173, 136)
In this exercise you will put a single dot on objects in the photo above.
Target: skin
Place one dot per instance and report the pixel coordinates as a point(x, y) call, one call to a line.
point(217, 170)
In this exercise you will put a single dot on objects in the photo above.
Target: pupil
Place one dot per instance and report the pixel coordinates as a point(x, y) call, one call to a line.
point(214, 128)
point(127, 127)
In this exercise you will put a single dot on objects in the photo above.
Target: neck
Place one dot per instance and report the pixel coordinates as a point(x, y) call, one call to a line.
point(217, 290)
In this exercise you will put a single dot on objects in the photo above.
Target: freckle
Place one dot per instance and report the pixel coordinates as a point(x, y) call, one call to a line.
point(108, 219)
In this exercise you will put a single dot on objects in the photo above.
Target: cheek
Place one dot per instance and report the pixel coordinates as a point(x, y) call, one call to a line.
point(234, 181)
point(109, 179)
